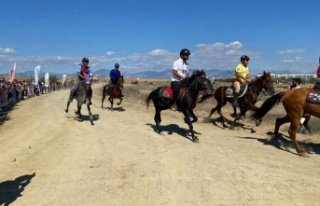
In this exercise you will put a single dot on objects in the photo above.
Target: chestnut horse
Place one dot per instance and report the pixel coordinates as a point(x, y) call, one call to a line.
point(197, 82)
point(247, 102)
point(295, 105)
point(114, 91)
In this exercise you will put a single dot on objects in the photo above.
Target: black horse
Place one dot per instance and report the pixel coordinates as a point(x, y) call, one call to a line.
point(247, 102)
point(83, 96)
point(186, 101)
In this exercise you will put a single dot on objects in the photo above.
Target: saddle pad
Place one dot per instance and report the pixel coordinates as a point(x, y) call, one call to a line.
point(313, 96)
point(230, 91)
point(167, 92)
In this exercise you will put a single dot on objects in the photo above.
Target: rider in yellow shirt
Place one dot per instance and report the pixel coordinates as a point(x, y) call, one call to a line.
point(240, 77)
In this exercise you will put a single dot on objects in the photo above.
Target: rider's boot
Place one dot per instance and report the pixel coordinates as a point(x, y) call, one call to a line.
point(235, 99)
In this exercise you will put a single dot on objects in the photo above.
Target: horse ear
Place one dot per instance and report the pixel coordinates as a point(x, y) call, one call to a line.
point(264, 72)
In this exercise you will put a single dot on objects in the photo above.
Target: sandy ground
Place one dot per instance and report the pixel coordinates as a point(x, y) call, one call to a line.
point(47, 157)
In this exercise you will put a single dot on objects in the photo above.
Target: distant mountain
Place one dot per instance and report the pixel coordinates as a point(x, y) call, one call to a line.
point(166, 74)
point(101, 72)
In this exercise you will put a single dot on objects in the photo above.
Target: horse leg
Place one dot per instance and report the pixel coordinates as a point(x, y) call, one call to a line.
point(238, 116)
point(213, 111)
point(89, 110)
point(68, 104)
point(292, 132)
point(194, 117)
point(157, 118)
point(187, 114)
point(111, 101)
point(224, 120)
point(103, 97)
point(306, 121)
point(279, 122)
point(120, 101)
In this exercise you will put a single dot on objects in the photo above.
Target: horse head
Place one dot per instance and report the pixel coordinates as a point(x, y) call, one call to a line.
point(200, 77)
point(267, 83)
point(120, 82)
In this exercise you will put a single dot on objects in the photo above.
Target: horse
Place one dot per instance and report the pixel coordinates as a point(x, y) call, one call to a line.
point(295, 104)
point(83, 96)
point(162, 99)
point(114, 92)
point(245, 103)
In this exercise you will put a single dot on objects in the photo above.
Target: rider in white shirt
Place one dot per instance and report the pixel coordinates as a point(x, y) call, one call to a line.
point(179, 75)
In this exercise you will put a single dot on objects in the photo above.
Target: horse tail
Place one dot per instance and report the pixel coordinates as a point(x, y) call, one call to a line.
point(150, 96)
point(267, 106)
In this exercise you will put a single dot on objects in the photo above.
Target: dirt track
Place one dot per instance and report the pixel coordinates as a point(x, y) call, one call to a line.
point(122, 161)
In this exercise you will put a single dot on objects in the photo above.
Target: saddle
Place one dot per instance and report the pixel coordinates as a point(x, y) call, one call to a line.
point(314, 96)
point(230, 91)
point(168, 92)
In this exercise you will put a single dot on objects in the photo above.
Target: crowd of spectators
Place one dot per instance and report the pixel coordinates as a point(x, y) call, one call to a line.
point(11, 92)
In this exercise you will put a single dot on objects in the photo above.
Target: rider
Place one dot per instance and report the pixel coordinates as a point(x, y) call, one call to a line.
point(295, 84)
point(318, 70)
point(114, 75)
point(241, 77)
point(179, 75)
point(317, 84)
point(82, 71)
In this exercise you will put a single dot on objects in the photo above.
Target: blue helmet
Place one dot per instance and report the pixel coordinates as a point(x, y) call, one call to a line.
point(116, 65)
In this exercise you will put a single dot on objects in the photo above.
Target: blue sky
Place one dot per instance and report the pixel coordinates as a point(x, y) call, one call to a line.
point(146, 35)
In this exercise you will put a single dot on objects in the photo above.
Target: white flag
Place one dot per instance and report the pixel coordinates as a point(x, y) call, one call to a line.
point(36, 74)
point(64, 77)
point(46, 79)
point(12, 73)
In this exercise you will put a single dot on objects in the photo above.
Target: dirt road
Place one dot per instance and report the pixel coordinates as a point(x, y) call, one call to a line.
point(49, 158)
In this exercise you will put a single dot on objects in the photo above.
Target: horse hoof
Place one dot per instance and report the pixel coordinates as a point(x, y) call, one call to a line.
point(231, 127)
point(303, 154)
point(271, 137)
point(66, 111)
point(195, 139)
point(258, 122)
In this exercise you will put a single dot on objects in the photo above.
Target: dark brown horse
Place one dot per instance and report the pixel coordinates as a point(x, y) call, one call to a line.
point(295, 105)
point(247, 102)
point(114, 92)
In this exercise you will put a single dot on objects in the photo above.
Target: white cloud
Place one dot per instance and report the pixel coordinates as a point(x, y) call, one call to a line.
point(217, 55)
point(159, 52)
point(291, 51)
point(234, 45)
point(7, 50)
point(212, 47)
point(292, 60)
point(110, 53)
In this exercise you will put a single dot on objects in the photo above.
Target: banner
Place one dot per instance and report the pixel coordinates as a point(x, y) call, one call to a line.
point(46, 79)
point(12, 73)
point(36, 74)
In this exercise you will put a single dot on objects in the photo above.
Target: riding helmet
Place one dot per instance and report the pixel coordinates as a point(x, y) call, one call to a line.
point(185, 51)
point(116, 65)
point(244, 57)
point(85, 59)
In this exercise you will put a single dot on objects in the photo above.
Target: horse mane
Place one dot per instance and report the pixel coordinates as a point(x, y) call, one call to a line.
point(260, 77)
point(195, 74)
